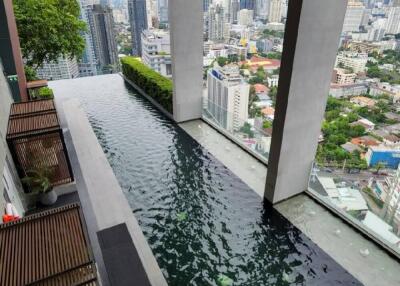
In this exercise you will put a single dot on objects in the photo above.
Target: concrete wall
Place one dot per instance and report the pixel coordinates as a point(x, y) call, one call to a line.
point(311, 39)
point(186, 26)
point(5, 102)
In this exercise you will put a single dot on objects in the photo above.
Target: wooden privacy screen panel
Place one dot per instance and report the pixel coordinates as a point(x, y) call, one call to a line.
point(48, 248)
point(36, 140)
point(30, 107)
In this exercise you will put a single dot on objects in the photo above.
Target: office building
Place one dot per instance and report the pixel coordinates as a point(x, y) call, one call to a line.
point(101, 23)
point(138, 20)
point(156, 51)
point(228, 97)
point(275, 11)
point(353, 17)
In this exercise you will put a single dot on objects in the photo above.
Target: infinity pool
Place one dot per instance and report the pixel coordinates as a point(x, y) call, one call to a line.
point(204, 225)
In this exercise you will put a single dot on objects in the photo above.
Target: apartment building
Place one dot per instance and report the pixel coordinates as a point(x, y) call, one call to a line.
point(156, 51)
point(352, 60)
point(227, 97)
point(343, 76)
point(63, 68)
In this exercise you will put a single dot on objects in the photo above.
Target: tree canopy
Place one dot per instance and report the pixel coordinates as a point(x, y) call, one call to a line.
point(49, 29)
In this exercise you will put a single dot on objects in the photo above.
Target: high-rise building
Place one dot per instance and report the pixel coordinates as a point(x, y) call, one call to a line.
point(63, 68)
point(138, 19)
point(228, 97)
point(88, 63)
point(216, 23)
point(393, 19)
point(156, 51)
point(275, 11)
point(262, 8)
point(206, 5)
point(353, 17)
point(247, 4)
point(245, 17)
point(101, 24)
point(163, 11)
point(234, 11)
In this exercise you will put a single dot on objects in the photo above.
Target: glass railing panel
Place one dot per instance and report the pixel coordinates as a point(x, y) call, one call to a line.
point(248, 133)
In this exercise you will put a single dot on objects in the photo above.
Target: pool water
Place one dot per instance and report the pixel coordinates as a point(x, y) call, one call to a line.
point(204, 225)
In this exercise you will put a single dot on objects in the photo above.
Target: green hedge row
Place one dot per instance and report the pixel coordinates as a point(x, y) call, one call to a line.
point(151, 82)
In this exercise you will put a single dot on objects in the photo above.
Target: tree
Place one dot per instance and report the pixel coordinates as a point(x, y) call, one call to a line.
point(222, 61)
point(49, 29)
point(246, 128)
point(378, 166)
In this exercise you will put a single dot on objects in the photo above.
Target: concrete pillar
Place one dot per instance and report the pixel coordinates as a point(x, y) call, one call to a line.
point(186, 28)
point(311, 41)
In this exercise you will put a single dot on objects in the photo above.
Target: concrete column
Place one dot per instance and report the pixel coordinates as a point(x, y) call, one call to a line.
point(311, 41)
point(186, 28)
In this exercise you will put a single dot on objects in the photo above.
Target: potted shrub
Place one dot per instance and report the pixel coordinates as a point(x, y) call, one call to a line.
point(39, 183)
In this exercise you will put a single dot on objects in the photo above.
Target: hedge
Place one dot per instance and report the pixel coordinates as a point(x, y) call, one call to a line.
point(151, 82)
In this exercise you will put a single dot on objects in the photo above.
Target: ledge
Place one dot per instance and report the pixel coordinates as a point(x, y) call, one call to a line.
point(103, 201)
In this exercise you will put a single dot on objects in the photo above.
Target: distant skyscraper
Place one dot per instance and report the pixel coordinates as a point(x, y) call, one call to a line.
point(247, 4)
point(275, 11)
point(235, 10)
point(163, 11)
point(262, 9)
point(101, 24)
point(138, 19)
point(216, 23)
point(206, 5)
point(353, 17)
point(88, 62)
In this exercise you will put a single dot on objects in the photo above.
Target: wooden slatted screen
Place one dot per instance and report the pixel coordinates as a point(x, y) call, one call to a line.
point(48, 248)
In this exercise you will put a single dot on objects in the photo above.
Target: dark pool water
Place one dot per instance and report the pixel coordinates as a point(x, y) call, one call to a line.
point(200, 220)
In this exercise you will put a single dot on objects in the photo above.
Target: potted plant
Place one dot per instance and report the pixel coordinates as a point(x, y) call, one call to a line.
point(39, 183)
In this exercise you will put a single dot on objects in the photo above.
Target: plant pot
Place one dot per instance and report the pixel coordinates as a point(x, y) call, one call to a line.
point(48, 198)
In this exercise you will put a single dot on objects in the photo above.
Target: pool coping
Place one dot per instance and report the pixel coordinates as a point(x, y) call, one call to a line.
point(103, 201)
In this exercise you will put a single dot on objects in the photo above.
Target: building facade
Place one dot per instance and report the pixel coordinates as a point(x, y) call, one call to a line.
point(138, 20)
point(88, 63)
point(216, 23)
point(228, 97)
point(393, 19)
point(63, 68)
point(275, 11)
point(156, 51)
point(353, 17)
point(101, 24)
